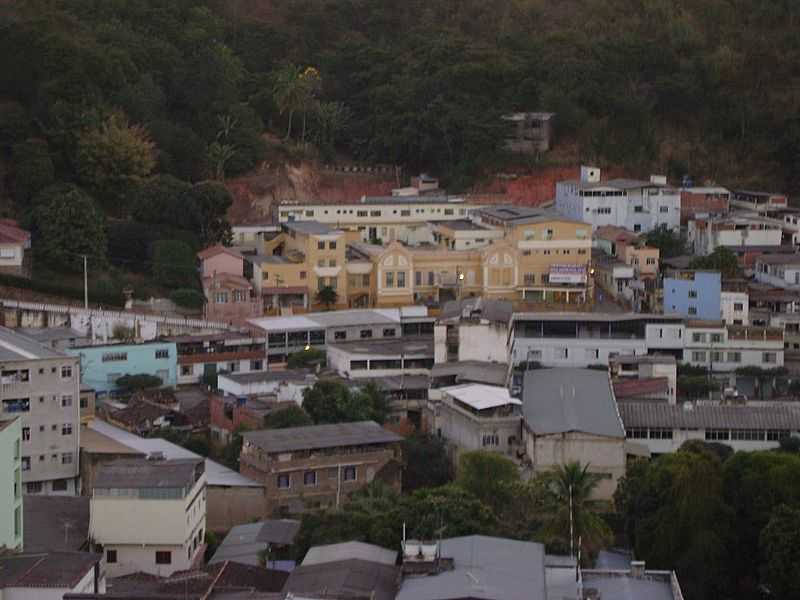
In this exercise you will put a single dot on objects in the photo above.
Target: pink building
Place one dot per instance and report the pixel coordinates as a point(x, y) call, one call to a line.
point(219, 259)
point(229, 296)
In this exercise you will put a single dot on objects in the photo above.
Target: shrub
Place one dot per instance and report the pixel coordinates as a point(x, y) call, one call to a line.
point(188, 298)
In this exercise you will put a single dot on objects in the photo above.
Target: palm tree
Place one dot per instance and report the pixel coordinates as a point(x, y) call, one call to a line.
point(327, 296)
point(290, 92)
point(571, 511)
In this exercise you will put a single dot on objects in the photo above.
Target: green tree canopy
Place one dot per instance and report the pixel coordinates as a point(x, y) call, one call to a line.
point(291, 416)
point(138, 382)
point(780, 546)
point(33, 170)
point(668, 241)
point(488, 476)
point(331, 401)
point(174, 264)
point(427, 463)
point(327, 296)
point(67, 225)
point(722, 260)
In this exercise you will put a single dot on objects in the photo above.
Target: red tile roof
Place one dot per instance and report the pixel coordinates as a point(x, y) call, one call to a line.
point(12, 233)
point(212, 251)
point(631, 388)
point(227, 280)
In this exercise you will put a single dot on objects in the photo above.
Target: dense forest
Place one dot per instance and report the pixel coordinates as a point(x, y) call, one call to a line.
point(133, 108)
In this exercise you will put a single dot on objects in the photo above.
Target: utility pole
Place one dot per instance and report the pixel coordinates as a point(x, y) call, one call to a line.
point(85, 285)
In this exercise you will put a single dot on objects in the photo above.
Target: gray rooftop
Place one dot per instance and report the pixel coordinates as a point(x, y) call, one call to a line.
point(267, 259)
point(320, 436)
point(309, 227)
point(619, 184)
point(601, 317)
point(352, 578)
point(653, 414)
point(143, 473)
point(349, 550)
point(46, 570)
point(648, 359)
point(55, 523)
point(472, 370)
point(498, 311)
point(462, 225)
point(52, 334)
point(512, 213)
point(270, 376)
point(484, 568)
point(563, 400)
point(244, 542)
point(344, 318)
point(426, 199)
point(620, 585)
point(15, 346)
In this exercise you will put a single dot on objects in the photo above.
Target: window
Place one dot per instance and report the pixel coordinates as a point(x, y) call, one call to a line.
point(401, 279)
point(747, 435)
point(26, 434)
point(257, 365)
point(448, 211)
point(59, 485)
point(718, 434)
point(339, 335)
point(716, 338)
point(389, 279)
point(389, 332)
point(738, 306)
point(431, 278)
point(659, 433)
point(365, 334)
point(699, 356)
point(638, 209)
point(592, 353)
point(33, 487)
point(604, 210)
point(302, 274)
point(26, 463)
point(562, 353)
point(309, 213)
point(331, 245)
point(692, 293)
point(162, 353)
point(358, 365)
point(769, 357)
point(349, 474)
point(66, 400)
point(417, 277)
point(650, 260)
point(118, 356)
point(699, 337)
point(66, 458)
point(219, 298)
point(111, 557)
point(163, 557)
point(692, 310)
point(320, 245)
point(529, 278)
point(716, 357)
point(405, 213)
point(310, 478)
point(491, 440)
point(361, 213)
point(284, 481)
point(636, 433)
point(66, 372)
point(734, 357)
point(776, 435)
point(186, 370)
point(66, 429)
point(637, 228)
point(374, 213)
point(332, 262)
point(663, 209)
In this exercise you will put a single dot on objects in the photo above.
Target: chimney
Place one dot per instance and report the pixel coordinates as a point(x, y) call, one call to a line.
point(637, 569)
point(590, 174)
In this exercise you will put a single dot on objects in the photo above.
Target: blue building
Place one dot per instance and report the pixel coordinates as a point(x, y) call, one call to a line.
point(693, 294)
point(101, 366)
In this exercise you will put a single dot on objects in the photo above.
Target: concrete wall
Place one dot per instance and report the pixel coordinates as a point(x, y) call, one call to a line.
point(142, 558)
point(735, 308)
point(11, 517)
point(467, 432)
point(581, 352)
point(706, 304)
point(223, 263)
point(230, 506)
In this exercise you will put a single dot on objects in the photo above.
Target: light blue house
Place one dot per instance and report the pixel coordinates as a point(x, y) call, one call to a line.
point(693, 294)
point(101, 366)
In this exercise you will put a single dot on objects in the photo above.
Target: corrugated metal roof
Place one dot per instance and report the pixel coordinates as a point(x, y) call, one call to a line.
point(563, 400)
point(320, 436)
point(480, 396)
point(349, 550)
point(650, 414)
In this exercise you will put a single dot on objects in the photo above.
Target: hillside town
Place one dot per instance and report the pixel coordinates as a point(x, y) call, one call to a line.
point(364, 375)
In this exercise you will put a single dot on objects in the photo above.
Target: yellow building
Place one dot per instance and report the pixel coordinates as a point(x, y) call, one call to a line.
point(515, 253)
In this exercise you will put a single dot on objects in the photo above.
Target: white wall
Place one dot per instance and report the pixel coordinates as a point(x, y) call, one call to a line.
point(728, 302)
point(580, 351)
point(131, 559)
point(15, 255)
point(466, 432)
point(484, 342)
point(679, 436)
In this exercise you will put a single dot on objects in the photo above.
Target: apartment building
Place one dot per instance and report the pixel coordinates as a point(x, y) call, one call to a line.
point(381, 358)
point(102, 365)
point(725, 348)
point(149, 515)
point(583, 339)
point(11, 513)
point(382, 218)
point(734, 305)
point(639, 206)
point(704, 201)
point(693, 294)
point(299, 333)
point(531, 132)
point(473, 329)
point(318, 466)
point(298, 262)
point(463, 234)
point(475, 416)
point(41, 387)
point(758, 201)
point(705, 235)
point(201, 357)
point(663, 428)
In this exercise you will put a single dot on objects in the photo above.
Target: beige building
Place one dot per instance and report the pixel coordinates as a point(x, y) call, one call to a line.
point(319, 466)
point(149, 515)
point(571, 415)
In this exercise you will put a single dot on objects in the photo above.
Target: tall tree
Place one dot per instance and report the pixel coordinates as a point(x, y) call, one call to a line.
point(211, 203)
point(67, 225)
point(780, 547)
point(488, 476)
point(427, 463)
